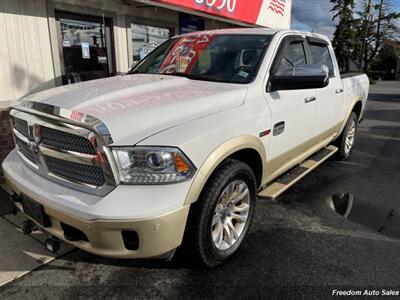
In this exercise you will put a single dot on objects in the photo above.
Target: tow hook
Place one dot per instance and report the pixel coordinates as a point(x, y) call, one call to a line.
point(14, 198)
point(52, 244)
point(28, 227)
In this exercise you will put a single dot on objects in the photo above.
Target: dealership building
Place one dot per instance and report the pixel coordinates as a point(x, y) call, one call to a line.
point(48, 43)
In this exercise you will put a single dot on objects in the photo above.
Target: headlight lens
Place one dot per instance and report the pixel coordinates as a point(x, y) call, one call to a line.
point(152, 165)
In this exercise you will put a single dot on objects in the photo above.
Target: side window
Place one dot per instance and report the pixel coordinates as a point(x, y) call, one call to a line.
point(320, 56)
point(292, 55)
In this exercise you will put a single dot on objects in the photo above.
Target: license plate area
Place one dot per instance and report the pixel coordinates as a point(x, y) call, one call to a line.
point(35, 211)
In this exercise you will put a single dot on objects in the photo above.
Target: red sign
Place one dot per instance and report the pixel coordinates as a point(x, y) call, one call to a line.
point(185, 53)
point(243, 10)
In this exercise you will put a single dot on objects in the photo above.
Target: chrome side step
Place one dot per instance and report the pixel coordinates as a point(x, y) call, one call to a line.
point(282, 183)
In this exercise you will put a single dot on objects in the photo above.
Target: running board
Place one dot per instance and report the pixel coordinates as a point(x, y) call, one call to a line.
point(282, 183)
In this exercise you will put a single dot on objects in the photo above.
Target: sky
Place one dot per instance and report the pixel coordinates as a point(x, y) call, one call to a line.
point(315, 15)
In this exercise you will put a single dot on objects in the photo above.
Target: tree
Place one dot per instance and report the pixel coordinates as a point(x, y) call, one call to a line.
point(344, 40)
point(385, 63)
point(379, 24)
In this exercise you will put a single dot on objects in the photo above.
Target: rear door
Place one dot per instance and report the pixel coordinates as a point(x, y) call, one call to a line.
point(330, 98)
point(293, 114)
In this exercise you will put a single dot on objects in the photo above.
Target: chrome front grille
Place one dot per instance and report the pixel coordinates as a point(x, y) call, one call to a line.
point(66, 141)
point(75, 172)
point(69, 154)
point(21, 126)
point(24, 148)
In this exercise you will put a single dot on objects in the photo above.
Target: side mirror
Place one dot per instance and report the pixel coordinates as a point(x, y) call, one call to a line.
point(303, 77)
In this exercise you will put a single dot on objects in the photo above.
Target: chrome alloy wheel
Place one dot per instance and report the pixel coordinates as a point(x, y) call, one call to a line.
point(230, 215)
point(350, 137)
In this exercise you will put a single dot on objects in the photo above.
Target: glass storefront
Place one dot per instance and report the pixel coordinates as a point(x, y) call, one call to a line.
point(86, 42)
point(146, 38)
point(84, 47)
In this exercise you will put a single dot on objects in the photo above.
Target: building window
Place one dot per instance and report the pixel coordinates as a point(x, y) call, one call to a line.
point(86, 47)
point(146, 38)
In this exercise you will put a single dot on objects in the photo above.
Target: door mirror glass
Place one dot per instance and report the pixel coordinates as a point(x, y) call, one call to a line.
point(303, 77)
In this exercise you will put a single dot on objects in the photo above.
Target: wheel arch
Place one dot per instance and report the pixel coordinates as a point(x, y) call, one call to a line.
point(248, 149)
point(356, 106)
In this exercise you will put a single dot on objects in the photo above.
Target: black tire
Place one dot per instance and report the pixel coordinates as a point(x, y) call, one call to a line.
point(343, 153)
point(198, 237)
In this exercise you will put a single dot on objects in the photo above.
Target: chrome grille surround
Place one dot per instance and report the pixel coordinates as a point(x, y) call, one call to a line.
point(87, 134)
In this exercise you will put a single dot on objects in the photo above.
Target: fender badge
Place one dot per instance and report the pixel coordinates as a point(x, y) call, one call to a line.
point(265, 133)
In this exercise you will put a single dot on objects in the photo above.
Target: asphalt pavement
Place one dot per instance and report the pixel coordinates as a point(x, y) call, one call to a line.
point(298, 247)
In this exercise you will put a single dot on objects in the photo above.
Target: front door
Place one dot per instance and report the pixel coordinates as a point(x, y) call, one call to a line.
point(85, 47)
point(293, 111)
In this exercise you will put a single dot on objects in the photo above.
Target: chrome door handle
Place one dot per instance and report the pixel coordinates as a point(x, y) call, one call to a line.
point(309, 99)
point(338, 91)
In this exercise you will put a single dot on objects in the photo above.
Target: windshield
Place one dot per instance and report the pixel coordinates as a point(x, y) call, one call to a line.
point(232, 58)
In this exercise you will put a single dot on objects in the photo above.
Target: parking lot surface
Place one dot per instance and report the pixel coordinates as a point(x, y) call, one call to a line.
point(298, 247)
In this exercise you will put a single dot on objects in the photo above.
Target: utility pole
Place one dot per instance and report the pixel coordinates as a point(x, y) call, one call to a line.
point(365, 29)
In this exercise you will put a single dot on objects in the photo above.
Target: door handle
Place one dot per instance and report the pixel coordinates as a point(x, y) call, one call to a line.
point(309, 99)
point(279, 128)
point(338, 91)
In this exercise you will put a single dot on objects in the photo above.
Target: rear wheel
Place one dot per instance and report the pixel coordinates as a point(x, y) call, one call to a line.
point(347, 139)
point(220, 219)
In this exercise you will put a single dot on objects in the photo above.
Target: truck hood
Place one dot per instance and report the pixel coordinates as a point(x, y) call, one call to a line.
point(134, 107)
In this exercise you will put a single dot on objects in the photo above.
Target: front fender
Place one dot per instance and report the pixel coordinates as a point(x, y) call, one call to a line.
point(217, 156)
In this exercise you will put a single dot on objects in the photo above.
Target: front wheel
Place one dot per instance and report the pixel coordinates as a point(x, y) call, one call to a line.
point(220, 219)
point(346, 141)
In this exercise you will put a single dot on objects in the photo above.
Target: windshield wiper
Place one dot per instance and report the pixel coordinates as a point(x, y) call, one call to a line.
point(135, 72)
point(181, 74)
point(185, 75)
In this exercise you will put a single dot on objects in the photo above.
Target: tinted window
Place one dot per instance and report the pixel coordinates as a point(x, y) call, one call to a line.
point(320, 56)
point(292, 55)
point(232, 58)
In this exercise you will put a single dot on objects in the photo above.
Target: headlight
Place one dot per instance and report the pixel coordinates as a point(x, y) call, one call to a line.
point(152, 165)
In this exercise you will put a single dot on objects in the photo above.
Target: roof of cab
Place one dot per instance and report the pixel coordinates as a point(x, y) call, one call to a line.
point(233, 31)
point(258, 30)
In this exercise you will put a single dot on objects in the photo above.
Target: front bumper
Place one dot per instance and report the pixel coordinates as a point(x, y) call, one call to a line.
point(157, 215)
point(157, 236)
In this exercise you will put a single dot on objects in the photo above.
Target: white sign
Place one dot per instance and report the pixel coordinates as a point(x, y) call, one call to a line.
point(85, 50)
point(275, 14)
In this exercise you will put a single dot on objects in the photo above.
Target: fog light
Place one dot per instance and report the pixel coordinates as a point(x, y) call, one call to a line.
point(131, 239)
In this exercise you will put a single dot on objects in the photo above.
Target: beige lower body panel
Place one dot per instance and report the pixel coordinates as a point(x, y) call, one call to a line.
point(288, 160)
point(157, 236)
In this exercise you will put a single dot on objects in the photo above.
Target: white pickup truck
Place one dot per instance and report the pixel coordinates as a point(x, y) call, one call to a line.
point(177, 151)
